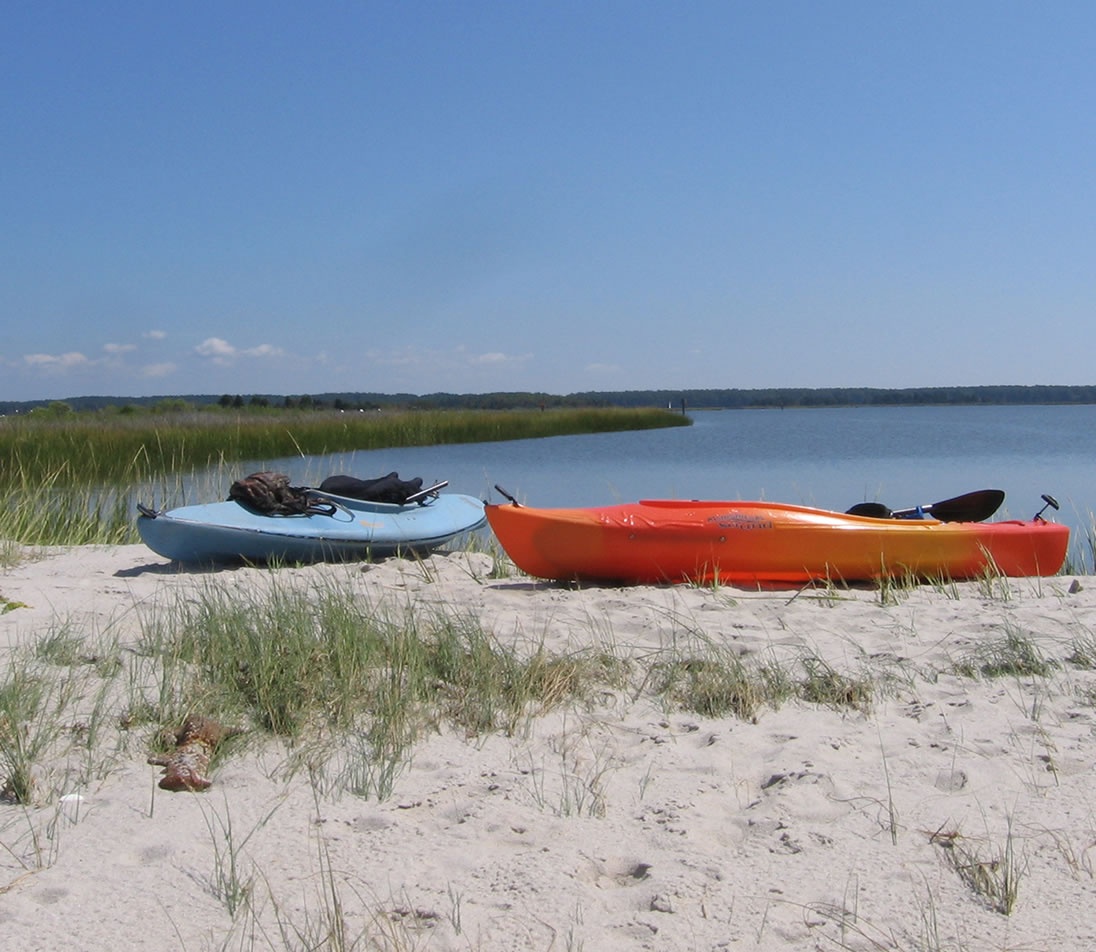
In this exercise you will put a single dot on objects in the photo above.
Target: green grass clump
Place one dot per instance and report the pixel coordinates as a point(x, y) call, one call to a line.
point(822, 684)
point(310, 665)
point(1083, 650)
point(711, 687)
point(1014, 654)
point(717, 683)
point(27, 730)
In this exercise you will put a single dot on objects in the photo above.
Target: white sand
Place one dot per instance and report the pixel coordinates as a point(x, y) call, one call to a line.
point(626, 826)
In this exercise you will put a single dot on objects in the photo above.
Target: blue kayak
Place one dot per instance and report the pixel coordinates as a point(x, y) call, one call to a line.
point(356, 529)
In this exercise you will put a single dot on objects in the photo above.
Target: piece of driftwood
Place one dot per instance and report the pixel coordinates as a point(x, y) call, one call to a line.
point(186, 766)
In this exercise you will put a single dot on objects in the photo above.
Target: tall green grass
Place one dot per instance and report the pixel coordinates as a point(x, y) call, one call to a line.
point(101, 449)
point(73, 481)
point(293, 662)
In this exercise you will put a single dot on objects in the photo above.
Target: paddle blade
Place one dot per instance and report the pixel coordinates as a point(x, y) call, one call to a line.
point(970, 507)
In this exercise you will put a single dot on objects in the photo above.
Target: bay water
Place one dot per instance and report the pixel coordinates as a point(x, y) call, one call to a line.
point(831, 458)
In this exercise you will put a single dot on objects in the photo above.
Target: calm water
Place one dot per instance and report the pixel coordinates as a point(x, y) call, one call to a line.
point(827, 458)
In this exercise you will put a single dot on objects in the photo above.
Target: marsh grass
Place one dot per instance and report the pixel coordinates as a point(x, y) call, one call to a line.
point(230, 882)
point(75, 481)
point(50, 510)
point(326, 927)
point(101, 450)
point(61, 646)
point(43, 514)
point(856, 934)
point(896, 585)
point(320, 921)
point(358, 765)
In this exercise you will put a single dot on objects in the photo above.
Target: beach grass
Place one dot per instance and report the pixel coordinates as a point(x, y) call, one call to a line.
point(992, 870)
point(1013, 653)
point(343, 689)
point(715, 682)
point(348, 685)
point(352, 686)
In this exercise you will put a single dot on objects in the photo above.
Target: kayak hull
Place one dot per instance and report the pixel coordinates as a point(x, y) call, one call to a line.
point(357, 530)
point(656, 541)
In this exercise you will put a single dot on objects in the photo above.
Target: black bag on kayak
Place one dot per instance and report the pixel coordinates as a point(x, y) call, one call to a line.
point(388, 488)
point(271, 494)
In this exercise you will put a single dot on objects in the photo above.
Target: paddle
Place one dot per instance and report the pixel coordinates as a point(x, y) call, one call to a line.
point(970, 507)
point(429, 491)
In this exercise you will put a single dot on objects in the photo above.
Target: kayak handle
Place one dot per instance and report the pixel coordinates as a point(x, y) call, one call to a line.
point(507, 495)
point(1051, 502)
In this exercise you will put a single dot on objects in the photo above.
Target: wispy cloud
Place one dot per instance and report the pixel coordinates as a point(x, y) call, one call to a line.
point(57, 363)
point(222, 353)
point(158, 370)
point(119, 348)
point(154, 335)
point(497, 357)
point(264, 350)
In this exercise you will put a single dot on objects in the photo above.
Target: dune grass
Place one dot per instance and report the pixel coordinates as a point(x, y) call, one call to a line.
point(345, 689)
point(350, 687)
point(294, 663)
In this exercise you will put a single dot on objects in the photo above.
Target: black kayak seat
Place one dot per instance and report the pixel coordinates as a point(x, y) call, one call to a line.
point(388, 488)
point(874, 510)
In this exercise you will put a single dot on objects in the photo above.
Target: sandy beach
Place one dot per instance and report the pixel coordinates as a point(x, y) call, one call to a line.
point(625, 822)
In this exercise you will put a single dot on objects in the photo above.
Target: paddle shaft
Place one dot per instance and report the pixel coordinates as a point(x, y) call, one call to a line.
point(423, 493)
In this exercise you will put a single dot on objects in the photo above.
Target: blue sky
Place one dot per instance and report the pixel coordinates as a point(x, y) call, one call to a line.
point(470, 196)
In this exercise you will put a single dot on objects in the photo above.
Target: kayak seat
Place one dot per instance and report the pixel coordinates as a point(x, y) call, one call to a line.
point(873, 510)
point(388, 488)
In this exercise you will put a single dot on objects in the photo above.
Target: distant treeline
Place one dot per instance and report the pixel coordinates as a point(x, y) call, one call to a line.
point(850, 397)
point(690, 399)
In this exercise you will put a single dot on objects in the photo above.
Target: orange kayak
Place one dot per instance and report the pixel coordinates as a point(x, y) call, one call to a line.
point(655, 541)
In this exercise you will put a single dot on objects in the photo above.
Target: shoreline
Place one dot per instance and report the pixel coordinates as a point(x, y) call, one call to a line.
point(627, 822)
